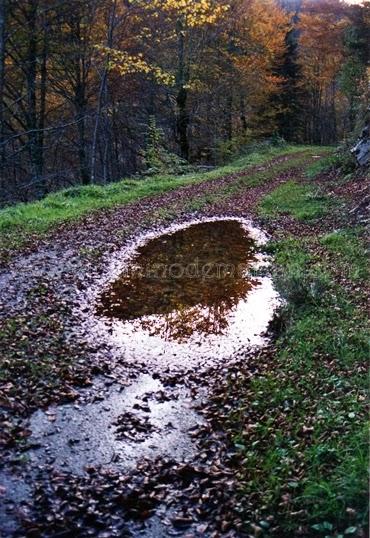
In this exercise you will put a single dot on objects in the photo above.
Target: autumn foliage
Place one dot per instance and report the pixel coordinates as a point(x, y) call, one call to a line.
point(80, 82)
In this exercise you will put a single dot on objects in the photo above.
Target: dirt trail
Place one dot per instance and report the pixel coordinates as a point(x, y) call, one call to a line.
point(66, 470)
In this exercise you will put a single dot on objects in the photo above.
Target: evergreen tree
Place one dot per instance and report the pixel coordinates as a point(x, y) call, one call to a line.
point(289, 99)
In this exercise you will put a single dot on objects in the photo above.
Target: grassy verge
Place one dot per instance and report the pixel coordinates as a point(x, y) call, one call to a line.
point(301, 424)
point(321, 166)
point(19, 222)
point(304, 202)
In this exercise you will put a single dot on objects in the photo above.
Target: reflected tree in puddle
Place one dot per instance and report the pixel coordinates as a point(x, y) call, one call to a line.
point(184, 283)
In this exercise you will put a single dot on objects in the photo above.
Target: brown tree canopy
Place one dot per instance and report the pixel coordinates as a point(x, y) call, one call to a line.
point(82, 81)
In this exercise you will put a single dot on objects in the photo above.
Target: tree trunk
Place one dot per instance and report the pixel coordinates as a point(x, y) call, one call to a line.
point(81, 107)
point(102, 90)
point(3, 15)
point(243, 116)
point(82, 153)
point(230, 116)
point(42, 110)
point(182, 96)
point(36, 152)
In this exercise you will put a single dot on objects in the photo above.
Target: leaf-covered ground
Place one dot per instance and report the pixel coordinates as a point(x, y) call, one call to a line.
point(282, 451)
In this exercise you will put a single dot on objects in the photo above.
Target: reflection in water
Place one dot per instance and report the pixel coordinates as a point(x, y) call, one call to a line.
point(186, 282)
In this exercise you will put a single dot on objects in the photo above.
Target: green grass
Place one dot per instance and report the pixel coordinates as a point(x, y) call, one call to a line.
point(350, 246)
point(339, 160)
point(318, 381)
point(323, 165)
point(303, 202)
point(19, 222)
point(305, 458)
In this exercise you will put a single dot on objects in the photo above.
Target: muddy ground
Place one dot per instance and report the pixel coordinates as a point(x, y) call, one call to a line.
point(95, 444)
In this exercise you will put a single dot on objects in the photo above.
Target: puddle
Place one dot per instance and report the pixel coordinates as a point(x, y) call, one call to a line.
point(186, 297)
point(14, 495)
point(179, 301)
point(185, 283)
point(142, 420)
point(175, 302)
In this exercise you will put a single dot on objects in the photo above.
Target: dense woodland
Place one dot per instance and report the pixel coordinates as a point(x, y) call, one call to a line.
point(95, 90)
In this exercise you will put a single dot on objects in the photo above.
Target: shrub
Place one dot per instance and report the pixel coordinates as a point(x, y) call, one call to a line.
point(242, 145)
point(299, 288)
point(158, 160)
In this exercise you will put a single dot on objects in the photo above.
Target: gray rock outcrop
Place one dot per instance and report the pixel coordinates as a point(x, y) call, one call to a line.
point(362, 148)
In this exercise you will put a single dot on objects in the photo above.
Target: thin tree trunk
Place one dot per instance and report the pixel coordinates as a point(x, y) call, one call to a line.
point(3, 16)
point(31, 82)
point(84, 169)
point(102, 90)
point(182, 96)
point(243, 117)
point(42, 111)
point(81, 106)
point(229, 113)
point(334, 113)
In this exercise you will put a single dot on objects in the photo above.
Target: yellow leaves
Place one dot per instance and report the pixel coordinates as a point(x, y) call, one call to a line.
point(146, 33)
point(204, 13)
point(128, 64)
point(196, 86)
point(257, 32)
point(192, 13)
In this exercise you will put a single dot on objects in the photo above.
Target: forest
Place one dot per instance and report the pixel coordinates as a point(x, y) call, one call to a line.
point(92, 91)
point(184, 268)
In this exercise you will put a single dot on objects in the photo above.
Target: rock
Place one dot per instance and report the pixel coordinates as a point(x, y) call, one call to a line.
point(362, 148)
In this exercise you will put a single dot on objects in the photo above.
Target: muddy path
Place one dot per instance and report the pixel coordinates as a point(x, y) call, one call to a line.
point(107, 425)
